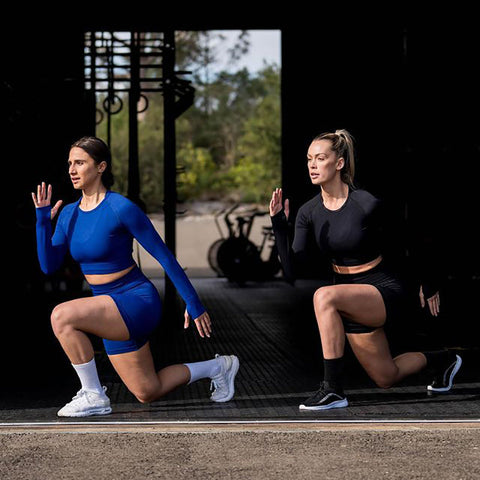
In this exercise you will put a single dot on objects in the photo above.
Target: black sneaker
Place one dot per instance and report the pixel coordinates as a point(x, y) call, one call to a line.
point(324, 399)
point(444, 381)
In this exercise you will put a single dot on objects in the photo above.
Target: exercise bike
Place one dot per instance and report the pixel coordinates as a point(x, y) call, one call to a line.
point(236, 257)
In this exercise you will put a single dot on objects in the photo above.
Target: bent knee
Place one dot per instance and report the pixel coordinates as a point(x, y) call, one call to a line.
point(384, 384)
point(61, 318)
point(145, 394)
point(142, 398)
point(385, 381)
point(324, 297)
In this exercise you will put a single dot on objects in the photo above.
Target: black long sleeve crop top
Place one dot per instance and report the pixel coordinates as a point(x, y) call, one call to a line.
point(354, 234)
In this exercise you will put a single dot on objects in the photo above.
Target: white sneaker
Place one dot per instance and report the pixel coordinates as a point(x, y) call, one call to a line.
point(224, 383)
point(86, 403)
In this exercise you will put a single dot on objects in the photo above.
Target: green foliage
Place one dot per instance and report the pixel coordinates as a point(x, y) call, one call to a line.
point(258, 168)
point(228, 142)
point(236, 118)
point(199, 178)
point(150, 146)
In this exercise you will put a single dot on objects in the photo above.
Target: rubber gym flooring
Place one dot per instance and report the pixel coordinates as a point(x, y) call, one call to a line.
point(271, 328)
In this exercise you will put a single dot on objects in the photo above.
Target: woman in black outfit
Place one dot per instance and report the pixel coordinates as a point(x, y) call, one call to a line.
point(347, 226)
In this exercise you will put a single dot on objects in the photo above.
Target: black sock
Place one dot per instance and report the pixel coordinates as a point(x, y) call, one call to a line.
point(438, 358)
point(333, 374)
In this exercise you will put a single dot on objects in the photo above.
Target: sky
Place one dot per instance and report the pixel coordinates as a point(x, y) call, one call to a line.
point(264, 44)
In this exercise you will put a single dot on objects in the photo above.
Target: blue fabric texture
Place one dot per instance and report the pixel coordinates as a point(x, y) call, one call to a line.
point(139, 303)
point(101, 241)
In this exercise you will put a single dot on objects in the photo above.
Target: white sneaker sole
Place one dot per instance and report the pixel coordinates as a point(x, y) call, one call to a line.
point(338, 404)
point(231, 381)
point(455, 370)
point(86, 413)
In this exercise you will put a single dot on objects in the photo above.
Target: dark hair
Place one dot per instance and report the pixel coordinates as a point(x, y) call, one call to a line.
point(342, 145)
point(100, 152)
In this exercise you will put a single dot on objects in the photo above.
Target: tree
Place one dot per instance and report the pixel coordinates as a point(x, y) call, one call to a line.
point(228, 142)
point(257, 171)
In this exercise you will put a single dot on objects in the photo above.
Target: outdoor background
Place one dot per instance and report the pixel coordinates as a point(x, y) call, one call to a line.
point(228, 142)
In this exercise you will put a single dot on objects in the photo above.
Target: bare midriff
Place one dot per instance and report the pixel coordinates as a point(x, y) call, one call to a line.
point(364, 267)
point(100, 279)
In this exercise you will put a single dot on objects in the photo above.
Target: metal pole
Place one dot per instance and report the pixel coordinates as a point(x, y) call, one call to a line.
point(133, 98)
point(170, 173)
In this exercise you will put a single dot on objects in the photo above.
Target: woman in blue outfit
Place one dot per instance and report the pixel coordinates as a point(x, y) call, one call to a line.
point(125, 308)
point(347, 226)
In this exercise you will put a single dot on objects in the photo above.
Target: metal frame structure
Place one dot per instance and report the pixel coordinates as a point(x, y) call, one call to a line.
point(131, 64)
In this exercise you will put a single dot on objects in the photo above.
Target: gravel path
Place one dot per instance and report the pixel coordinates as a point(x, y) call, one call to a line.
point(410, 452)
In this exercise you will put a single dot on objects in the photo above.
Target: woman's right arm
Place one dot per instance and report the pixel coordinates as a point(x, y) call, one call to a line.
point(50, 250)
point(292, 254)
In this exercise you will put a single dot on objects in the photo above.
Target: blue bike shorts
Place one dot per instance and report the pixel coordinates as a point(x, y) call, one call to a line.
point(140, 306)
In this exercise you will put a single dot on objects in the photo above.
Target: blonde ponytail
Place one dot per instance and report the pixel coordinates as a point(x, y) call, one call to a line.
point(342, 145)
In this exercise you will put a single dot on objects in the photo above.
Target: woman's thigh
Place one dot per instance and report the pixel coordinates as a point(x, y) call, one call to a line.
point(361, 303)
point(373, 353)
point(96, 315)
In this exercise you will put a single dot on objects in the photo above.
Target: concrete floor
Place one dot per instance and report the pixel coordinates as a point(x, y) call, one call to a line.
point(443, 452)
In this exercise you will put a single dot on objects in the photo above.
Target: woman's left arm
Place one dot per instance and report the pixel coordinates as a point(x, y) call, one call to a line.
point(427, 258)
point(143, 230)
point(395, 239)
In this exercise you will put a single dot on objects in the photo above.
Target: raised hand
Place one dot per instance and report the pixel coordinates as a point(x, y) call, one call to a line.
point(43, 198)
point(276, 203)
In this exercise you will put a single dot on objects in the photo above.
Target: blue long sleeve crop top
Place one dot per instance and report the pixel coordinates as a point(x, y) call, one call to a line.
point(101, 241)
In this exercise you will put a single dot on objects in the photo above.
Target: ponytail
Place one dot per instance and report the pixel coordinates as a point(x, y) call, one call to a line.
point(342, 145)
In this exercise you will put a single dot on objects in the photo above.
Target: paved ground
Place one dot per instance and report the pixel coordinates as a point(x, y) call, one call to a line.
point(408, 452)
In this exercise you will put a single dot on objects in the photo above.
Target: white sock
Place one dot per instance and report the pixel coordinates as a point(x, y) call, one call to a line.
point(207, 369)
point(88, 375)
